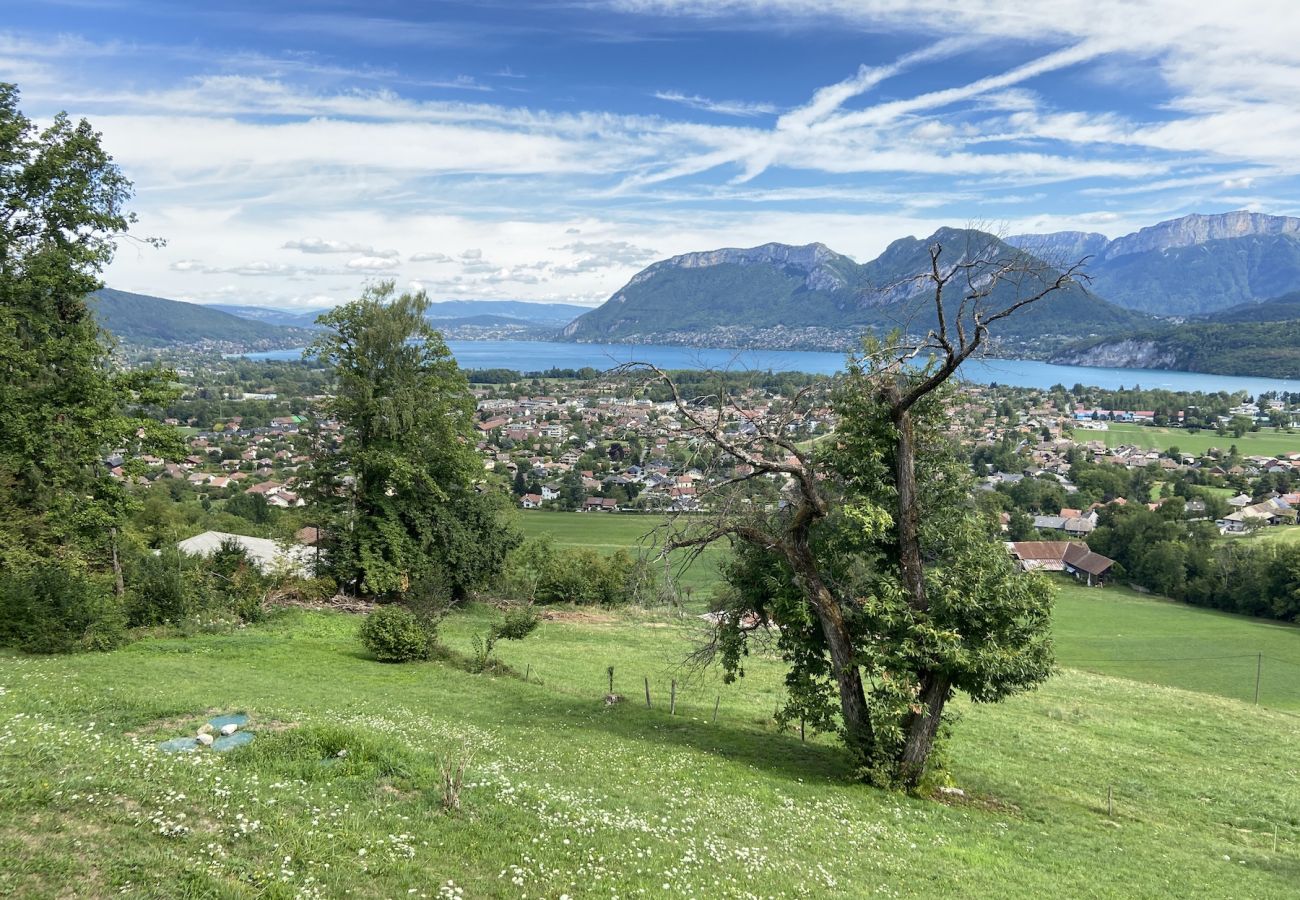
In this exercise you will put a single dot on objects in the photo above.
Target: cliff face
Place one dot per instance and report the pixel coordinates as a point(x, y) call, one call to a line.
point(1198, 229)
point(1126, 354)
point(1061, 248)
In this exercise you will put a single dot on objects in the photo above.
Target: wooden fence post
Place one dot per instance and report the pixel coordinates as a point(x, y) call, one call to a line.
point(647, 691)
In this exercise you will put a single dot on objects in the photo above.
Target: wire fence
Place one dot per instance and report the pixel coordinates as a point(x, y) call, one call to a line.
point(1258, 678)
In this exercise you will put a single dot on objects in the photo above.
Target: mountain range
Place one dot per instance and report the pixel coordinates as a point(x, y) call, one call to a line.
point(1216, 293)
point(1189, 266)
point(779, 295)
point(148, 321)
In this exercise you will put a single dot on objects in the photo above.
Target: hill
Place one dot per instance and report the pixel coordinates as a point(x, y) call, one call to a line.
point(305, 318)
point(1188, 266)
point(1278, 309)
point(781, 295)
point(154, 321)
point(554, 314)
point(339, 791)
point(1269, 348)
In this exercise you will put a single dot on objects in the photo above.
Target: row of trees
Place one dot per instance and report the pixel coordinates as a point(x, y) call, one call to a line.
point(1190, 561)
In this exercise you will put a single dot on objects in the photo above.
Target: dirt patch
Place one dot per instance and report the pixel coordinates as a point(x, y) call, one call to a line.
point(964, 800)
point(578, 616)
point(187, 722)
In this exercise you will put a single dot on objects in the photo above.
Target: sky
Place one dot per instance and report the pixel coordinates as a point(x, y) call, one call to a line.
point(291, 152)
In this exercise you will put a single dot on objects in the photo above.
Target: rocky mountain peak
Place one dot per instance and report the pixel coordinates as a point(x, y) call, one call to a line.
point(821, 265)
point(1198, 229)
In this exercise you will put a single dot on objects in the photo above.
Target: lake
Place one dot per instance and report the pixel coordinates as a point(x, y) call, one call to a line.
point(531, 356)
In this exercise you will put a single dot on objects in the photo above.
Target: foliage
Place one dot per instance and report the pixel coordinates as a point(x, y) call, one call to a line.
point(55, 609)
point(65, 407)
point(1189, 561)
point(984, 628)
point(538, 571)
point(395, 634)
point(518, 621)
point(400, 495)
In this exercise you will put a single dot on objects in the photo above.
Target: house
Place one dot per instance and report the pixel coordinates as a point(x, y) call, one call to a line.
point(266, 554)
point(530, 501)
point(600, 504)
point(1072, 557)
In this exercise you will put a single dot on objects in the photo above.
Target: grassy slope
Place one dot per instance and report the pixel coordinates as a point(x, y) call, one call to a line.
point(1265, 442)
point(1117, 631)
point(572, 797)
point(607, 532)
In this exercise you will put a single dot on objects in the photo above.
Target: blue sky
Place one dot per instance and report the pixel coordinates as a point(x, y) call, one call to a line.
point(288, 151)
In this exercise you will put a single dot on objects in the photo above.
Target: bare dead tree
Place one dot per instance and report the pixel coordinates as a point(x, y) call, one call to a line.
point(969, 296)
point(991, 285)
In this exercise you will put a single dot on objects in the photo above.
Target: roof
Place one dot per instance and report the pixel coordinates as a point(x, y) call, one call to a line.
point(1072, 553)
point(266, 554)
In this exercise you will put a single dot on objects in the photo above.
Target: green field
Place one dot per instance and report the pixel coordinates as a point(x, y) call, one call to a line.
point(607, 532)
point(1265, 442)
point(568, 796)
point(1117, 631)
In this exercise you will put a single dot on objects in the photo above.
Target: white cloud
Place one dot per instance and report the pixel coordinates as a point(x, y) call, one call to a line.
point(320, 245)
point(741, 108)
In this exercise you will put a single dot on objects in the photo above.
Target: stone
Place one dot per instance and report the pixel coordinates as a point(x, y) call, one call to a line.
point(229, 728)
point(206, 728)
point(205, 739)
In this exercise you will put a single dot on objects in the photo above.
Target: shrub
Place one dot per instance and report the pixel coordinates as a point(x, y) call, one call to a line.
point(395, 634)
point(537, 571)
point(51, 609)
point(159, 593)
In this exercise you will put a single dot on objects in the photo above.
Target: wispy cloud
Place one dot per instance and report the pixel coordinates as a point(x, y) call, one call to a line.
point(741, 108)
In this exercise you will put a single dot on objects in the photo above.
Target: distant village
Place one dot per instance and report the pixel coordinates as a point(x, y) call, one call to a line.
point(591, 448)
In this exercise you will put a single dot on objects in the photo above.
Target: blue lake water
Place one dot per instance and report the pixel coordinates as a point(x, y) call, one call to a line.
point(532, 356)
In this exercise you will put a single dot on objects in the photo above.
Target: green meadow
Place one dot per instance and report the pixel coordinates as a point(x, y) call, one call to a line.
point(1265, 442)
point(565, 794)
point(633, 532)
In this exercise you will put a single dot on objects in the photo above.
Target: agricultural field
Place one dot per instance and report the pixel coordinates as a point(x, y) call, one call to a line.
point(608, 532)
point(565, 795)
point(1265, 442)
point(1117, 631)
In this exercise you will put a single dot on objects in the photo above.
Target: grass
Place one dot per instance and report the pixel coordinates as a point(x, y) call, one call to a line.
point(608, 532)
point(565, 795)
point(1282, 534)
point(1265, 442)
point(1117, 631)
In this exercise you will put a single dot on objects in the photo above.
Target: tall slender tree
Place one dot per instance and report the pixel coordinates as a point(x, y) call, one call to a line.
point(65, 405)
point(405, 513)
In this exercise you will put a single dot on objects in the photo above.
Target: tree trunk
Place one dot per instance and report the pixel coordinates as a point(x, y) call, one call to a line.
point(119, 587)
point(924, 727)
point(844, 665)
point(911, 567)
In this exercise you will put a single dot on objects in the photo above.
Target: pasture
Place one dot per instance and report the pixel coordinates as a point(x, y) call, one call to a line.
point(565, 795)
point(1117, 631)
point(608, 532)
point(1265, 442)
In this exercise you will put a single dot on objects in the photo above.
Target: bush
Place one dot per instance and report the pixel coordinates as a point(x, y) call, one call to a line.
point(395, 634)
point(537, 571)
point(54, 610)
point(159, 593)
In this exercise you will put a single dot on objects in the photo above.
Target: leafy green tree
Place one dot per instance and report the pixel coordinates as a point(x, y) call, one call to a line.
point(885, 566)
point(62, 209)
point(400, 494)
